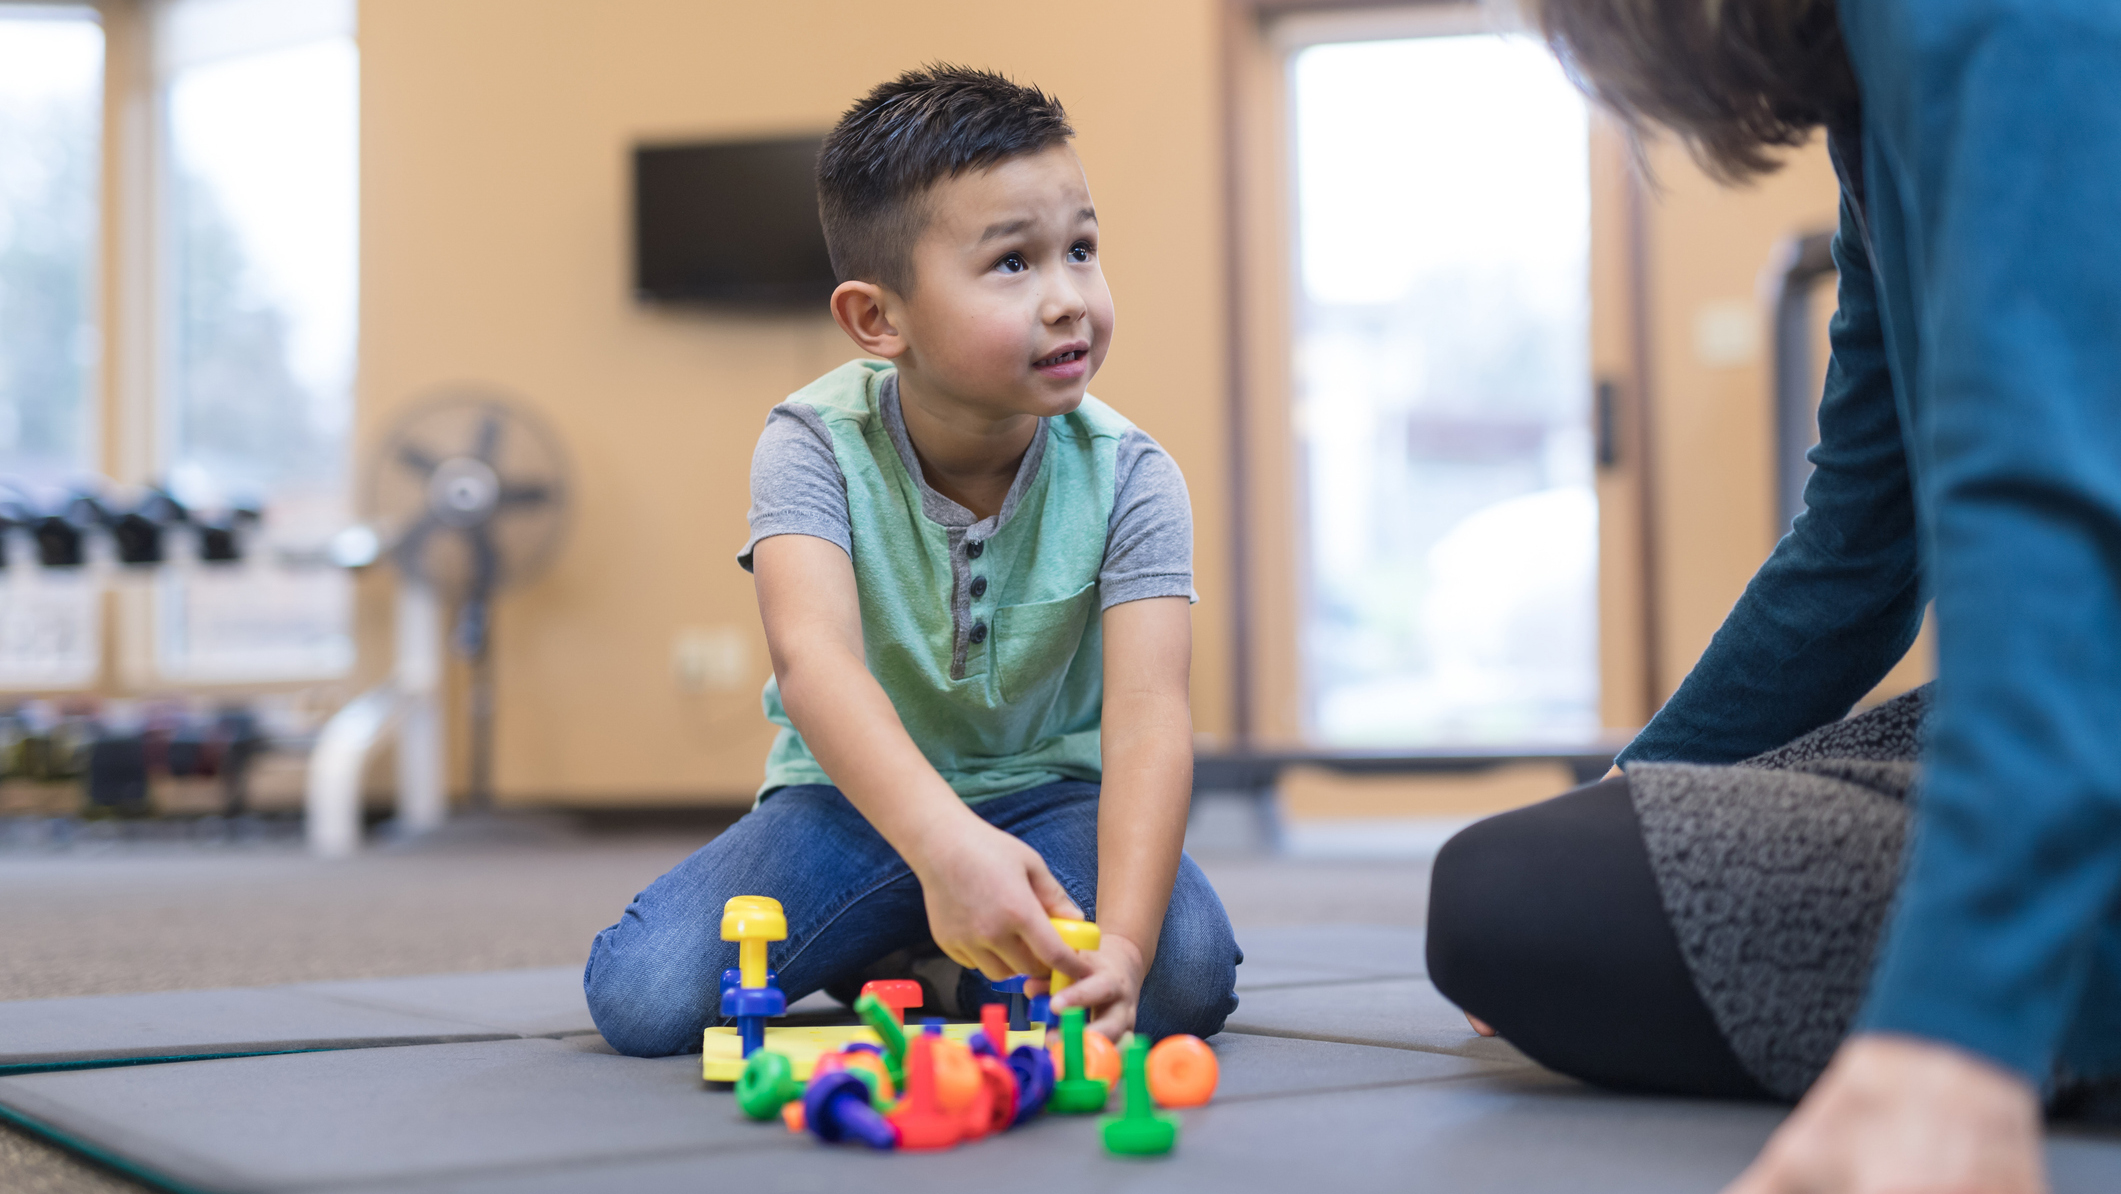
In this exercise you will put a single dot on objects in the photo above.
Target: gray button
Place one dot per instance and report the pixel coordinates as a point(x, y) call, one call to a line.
point(979, 632)
point(974, 547)
point(979, 586)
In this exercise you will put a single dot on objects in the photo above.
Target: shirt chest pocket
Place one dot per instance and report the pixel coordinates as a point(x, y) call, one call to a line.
point(1035, 643)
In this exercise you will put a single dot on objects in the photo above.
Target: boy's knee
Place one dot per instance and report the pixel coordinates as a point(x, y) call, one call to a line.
point(1192, 987)
point(642, 1008)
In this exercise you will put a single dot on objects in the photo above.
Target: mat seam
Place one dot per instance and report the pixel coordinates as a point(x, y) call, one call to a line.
point(1292, 1035)
point(109, 1160)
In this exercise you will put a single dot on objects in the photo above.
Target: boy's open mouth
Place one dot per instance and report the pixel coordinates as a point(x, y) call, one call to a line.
point(1064, 356)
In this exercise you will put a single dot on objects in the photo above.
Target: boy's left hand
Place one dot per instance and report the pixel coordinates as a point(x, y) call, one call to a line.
point(1112, 990)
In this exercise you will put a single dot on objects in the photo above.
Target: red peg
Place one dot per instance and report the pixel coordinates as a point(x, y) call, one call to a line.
point(994, 1021)
point(898, 994)
point(922, 1123)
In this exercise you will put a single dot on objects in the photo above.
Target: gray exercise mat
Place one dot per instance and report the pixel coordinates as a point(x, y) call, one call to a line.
point(102, 1029)
point(1286, 956)
point(1391, 1013)
point(440, 1112)
point(1506, 1132)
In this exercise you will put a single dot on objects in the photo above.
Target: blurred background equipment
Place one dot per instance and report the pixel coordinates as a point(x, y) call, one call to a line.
point(466, 497)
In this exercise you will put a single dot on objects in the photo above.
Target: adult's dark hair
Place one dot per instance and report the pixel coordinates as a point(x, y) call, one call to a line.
point(903, 138)
point(1735, 79)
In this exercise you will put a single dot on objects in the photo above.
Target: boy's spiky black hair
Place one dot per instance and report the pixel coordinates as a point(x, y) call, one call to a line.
point(904, 137)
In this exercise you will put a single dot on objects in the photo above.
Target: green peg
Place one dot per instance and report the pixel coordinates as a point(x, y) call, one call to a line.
point(767, 1083)
point(1075, 1094)
point(1140, 1130)
point(886, 1026)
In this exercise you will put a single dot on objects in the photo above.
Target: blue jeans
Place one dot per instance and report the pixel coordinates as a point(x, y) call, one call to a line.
point(654, 978)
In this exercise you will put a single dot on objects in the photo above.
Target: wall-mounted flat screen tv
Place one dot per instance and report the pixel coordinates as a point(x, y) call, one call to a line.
point(731, 223)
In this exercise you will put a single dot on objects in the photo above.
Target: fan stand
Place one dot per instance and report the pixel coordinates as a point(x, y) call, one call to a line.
point(407, 704)
point(474, 642)
point(460, 491)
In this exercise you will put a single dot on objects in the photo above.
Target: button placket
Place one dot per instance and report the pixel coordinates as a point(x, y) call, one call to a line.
point(976, 589)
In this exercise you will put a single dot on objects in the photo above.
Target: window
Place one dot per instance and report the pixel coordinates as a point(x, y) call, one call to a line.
point(1442, 392)
point(231, 249)
point(51, 114)
point(260, 102)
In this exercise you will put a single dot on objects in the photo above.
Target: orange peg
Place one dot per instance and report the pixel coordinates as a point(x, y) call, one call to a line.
point(957, 1078)
point(1182, 1071)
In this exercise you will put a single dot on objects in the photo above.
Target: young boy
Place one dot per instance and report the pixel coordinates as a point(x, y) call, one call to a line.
point(975, 581)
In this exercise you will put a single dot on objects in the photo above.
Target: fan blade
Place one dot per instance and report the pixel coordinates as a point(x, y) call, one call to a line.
point(525, 495)
point(416, 460)
point(489, 437)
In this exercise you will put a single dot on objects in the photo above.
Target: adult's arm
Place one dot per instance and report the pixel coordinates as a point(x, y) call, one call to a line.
point(2013, 155)
point(1839, 602)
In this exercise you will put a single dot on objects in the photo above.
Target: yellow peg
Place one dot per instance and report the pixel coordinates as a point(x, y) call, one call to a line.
point(751, 922)
point(1077, 935)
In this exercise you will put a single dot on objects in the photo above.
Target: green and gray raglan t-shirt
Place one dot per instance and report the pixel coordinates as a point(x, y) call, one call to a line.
point(985, 633)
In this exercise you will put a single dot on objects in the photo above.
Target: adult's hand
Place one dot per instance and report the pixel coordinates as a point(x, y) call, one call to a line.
point(1907, 1116)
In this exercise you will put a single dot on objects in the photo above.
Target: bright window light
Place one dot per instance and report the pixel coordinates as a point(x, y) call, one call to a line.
point(1442, 377)
point(262, 105)
point(51, 137)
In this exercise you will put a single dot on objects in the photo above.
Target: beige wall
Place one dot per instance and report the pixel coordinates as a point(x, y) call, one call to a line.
point(495, 137)
point(1708, 250)
point(1713, 415)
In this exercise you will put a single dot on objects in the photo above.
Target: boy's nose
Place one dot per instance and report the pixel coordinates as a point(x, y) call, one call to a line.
point(1065, 302)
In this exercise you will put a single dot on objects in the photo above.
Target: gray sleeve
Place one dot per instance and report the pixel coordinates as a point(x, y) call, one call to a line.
point(1149, 542)
point(796, 484)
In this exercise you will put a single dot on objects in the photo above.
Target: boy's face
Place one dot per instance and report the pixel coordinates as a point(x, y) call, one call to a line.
point(1009, 312)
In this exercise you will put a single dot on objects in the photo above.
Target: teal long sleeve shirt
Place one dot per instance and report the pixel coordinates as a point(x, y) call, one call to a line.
point(1970, 453)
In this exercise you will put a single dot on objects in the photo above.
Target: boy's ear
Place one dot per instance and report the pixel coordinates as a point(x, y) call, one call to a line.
point(863, 310)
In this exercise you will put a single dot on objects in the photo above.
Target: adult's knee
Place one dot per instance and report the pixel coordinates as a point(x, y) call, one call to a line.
point(1471, 936)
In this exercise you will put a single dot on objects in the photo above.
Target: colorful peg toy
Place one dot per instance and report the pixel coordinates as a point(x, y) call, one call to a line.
point(1019, 1006)
point(1183, 1071)
point(1077, 935)
point(755, 996)
point(885, 1024)
point(933, 1090)
point(1076, 1093)
point(898, 994)
point(1140, 1130)
point(768, 1085)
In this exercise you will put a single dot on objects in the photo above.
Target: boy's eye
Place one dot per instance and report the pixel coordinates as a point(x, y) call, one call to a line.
point(1079, 252)
point(1014, 263)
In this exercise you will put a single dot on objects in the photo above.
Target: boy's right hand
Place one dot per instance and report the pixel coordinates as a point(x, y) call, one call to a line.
point(990, 898)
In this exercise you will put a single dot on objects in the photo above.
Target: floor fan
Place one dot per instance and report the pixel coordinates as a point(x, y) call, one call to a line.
point(466, 498)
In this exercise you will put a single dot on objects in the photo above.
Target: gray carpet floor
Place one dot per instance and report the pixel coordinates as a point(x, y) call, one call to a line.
point(119, 918)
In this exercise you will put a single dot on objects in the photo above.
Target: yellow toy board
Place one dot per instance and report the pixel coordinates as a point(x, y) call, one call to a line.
point(722, 1051)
